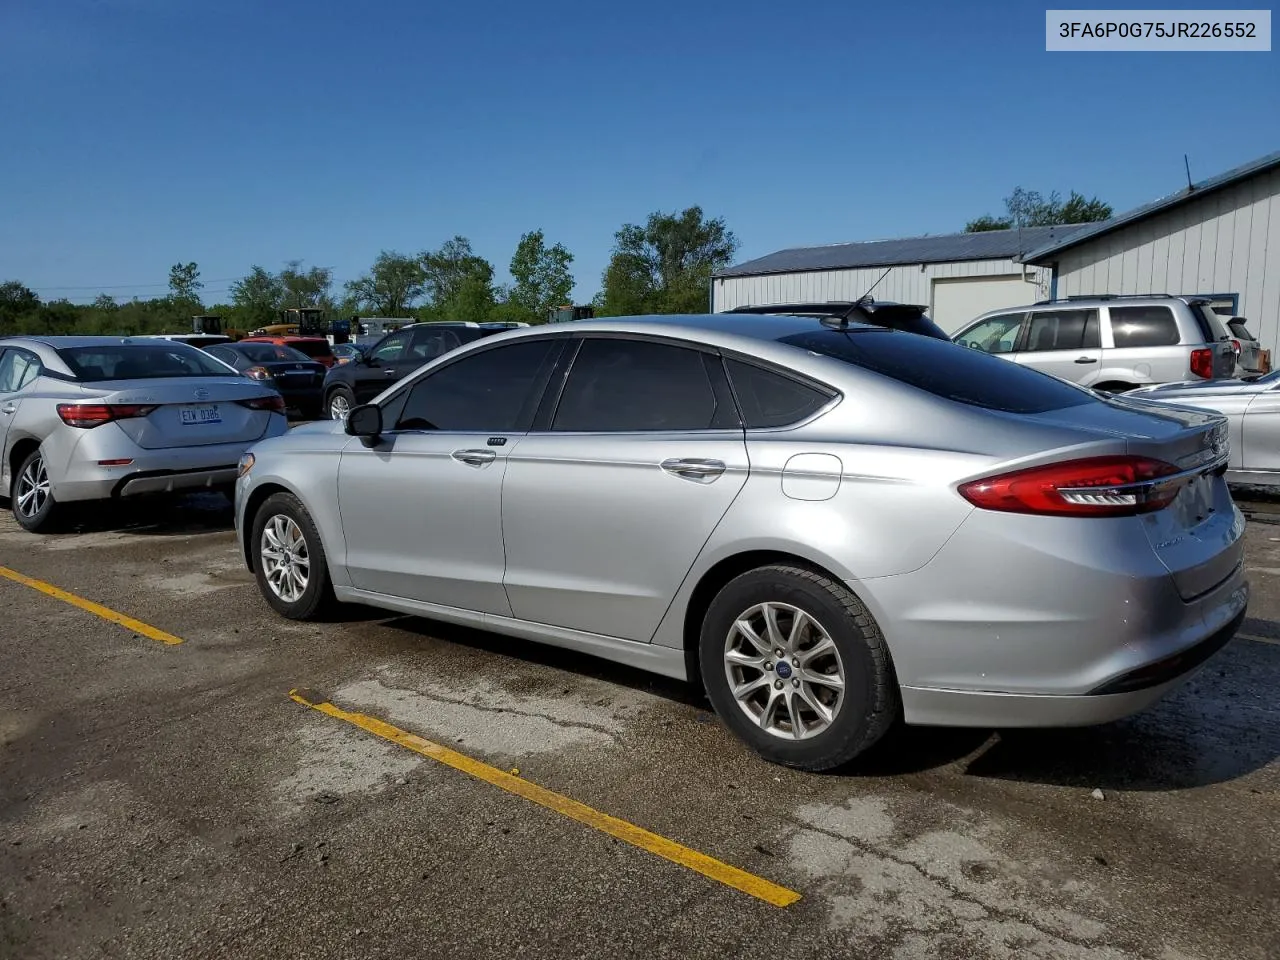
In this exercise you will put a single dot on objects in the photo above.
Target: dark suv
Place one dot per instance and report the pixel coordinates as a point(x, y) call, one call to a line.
point(397, 354)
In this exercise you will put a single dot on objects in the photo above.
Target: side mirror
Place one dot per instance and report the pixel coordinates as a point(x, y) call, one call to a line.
point(365, 422)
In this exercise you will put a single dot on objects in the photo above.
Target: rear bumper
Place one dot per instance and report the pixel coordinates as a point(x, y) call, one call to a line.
point(170, 481)
point(1121, 697)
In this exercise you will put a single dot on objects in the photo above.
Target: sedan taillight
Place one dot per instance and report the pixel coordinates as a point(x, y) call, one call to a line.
point(258, 373)
point(274, 403)
point(1121, 486)
point(96, 414)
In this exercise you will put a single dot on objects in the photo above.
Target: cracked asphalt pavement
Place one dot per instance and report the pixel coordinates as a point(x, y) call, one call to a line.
point(173, 801)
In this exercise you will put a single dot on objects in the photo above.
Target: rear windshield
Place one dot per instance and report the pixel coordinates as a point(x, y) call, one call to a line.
point(1237, 325)
point(267, 352)
point(141, 362)
point(1214, 322)
point(313, 348)
point(945, 369)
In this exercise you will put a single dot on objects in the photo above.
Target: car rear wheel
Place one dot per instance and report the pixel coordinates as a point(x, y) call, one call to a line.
point(289, 561)
point(339, 403)
point(796, 666)
point(31, 496)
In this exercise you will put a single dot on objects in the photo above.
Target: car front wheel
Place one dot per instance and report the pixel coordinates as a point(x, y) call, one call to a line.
point(31, 496)
point(796, 666)
point(289, 561)
point(339, 403)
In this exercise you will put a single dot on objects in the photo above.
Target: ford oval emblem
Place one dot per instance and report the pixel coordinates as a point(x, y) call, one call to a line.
point(201, 393)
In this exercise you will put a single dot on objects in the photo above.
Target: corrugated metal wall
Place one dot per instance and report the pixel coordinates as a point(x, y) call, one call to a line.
point(1227, 242)
point(905, 284)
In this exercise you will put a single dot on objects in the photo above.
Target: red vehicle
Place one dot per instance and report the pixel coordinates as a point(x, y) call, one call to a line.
point(317, 348)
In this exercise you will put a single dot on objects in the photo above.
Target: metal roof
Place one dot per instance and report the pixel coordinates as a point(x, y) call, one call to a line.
point(1090, 231)
point(986, 245)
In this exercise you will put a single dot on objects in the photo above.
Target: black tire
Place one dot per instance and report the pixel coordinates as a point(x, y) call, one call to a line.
point(313, 411)
point(317, 598)
point(342, 393)
point(869, 703)
point(48, 515)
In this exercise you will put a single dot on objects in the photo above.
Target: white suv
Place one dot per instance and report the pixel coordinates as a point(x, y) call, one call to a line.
point(1111, 343)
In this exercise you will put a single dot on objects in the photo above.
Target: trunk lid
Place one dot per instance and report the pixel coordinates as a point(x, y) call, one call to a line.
point(1196, 537)
point(189, 412)
point(295, 374)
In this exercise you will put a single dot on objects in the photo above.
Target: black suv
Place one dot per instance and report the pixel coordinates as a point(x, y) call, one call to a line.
point(396, 355)
point(879, 313)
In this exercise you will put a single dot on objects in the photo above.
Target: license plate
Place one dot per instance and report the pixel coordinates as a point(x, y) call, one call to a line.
point(197, 415)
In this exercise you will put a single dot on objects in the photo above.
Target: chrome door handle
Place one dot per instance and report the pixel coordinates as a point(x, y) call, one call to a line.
point(8, 408)
point(702, 471)
point(1086, 359)
point(389, 372)
point(477, 458)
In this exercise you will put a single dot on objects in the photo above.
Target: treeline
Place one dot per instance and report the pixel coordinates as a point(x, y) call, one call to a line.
point(661, 266)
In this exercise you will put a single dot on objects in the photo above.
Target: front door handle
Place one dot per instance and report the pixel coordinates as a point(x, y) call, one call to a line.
point(477, 458)
point(700, 471)
point(1086, 359)
point(389, 372)
point(8, 408)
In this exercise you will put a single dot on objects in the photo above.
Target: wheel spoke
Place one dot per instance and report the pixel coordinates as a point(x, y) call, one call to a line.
point(769, 714)
point(816, 705)
point(824, 646)
point(744, 627)
point(745, 690)
point(832, 680)
point(744, 659)
point(771, 624)
point(798, 623)
point(798, 729)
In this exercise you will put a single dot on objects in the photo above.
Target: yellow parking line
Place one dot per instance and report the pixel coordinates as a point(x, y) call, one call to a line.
point(748, 883)
point(106, 613)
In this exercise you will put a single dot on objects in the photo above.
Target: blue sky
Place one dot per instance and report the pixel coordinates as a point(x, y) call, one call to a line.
point(142, 132)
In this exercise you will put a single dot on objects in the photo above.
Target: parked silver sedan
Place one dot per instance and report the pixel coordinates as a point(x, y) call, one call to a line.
point(1252, 409)
point(827, 525)
point(93, 418)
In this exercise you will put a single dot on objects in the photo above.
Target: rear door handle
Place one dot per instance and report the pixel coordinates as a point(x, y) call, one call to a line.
point(8, 408)
point(1086, 359)
point(477, 458)
point(690, 468)
point(389, 372)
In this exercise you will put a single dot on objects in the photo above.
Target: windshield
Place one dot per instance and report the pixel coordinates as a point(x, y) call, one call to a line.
point(129, 361)
point(268, 352)
point(945, 369)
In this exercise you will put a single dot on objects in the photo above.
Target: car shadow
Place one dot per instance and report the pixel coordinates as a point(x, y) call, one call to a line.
point(1220, 725)
point(203, 512)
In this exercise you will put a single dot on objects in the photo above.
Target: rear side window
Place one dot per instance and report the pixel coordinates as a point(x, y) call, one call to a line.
point(768, 399)
point(1063, 330)
point(946, 370)
point(995, 334)
point(17, 369)
point(492, 391)
point(618, 385)
point(1144, 327)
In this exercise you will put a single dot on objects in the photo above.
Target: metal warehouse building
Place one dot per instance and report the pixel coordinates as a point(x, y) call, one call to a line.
point(1219, 238)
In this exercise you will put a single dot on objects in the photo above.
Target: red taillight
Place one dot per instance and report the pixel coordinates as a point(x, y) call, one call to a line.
point(96, 414)
point(1094, 487)
point(1202, 363)
point(274, 403)
point(258, 373)
point(1235, 345)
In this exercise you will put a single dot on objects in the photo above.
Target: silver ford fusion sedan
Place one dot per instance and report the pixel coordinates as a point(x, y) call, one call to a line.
point(93, 418)
point(827, 525)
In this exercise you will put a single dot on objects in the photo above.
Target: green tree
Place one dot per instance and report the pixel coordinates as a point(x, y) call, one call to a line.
point(542, 279)
point(666, 265)
point(306, 288)
point(184, 284)
point(16, 300)
point(390, 288)
point(447, 270)
point(1029, 208)
point(256, 298)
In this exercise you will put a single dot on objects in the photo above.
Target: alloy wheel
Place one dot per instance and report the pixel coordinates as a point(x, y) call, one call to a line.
point(784, 670)
point(286, 562)
point(338, 407)
point(32, 492)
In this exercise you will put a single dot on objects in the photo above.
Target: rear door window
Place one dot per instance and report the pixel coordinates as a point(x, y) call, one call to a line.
point(392, 348)
point(620, 385)
point(769, 399)
point(971, 377)
point(1149, 326)
point(1062, 330)
point(995, 334)
point(17, 369)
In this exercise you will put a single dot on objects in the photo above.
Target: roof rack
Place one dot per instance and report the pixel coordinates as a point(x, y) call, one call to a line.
point(1108, 296)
